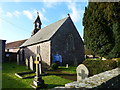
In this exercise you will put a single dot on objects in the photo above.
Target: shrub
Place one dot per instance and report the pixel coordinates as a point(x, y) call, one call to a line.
point(109, 65)
point(94, 66)
point(98, 66)
point(55, 66)
point(118, 62)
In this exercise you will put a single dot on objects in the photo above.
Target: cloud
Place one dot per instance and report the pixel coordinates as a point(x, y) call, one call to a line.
point(1, 13)
point(28, 14)
point(43, 10)
point(17, 0)
point(9, 14)
point(76, 13)
point(41, 15)
point(33, 13)
point(54, 0)
point(58, 0)
point(50, 3)
point(16, 13)
point(13, 14)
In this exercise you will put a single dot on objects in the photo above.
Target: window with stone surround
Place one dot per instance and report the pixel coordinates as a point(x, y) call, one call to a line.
point(70, 43)
point(38, 49)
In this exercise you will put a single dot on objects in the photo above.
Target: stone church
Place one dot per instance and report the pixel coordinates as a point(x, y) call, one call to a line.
point(60, 37)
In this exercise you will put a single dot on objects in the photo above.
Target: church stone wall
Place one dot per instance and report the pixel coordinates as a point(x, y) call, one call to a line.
point(42, 48)
point(46, 52)
point(69, 44)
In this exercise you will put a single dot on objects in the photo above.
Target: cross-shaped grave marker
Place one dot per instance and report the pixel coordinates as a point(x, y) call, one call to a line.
point(82, 74)
point(38, 82)
point(38, 65)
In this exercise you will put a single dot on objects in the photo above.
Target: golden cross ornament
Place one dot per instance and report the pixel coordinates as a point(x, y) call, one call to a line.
point(36, 62)
point(37, 59)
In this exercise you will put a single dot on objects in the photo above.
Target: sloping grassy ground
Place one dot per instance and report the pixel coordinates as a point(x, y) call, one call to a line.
point(9, 80)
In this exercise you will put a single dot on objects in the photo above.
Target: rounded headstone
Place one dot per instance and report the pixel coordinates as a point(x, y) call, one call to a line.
point(82, 72)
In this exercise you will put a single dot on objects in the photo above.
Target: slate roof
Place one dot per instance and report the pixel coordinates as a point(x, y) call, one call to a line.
point(15, 44)
point(45, 33)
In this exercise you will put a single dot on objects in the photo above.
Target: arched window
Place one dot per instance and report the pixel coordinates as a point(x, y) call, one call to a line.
point(70, 43)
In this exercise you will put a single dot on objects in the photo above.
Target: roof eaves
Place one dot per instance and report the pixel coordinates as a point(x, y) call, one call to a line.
point(34, 43)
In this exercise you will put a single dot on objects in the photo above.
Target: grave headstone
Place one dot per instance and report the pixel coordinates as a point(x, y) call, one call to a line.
point(27, 62)
point(18, 61)
point(31, 63)
point(82, 72)
point(66, 65)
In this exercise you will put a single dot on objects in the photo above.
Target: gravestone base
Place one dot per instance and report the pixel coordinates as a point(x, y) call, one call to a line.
point(38, 83)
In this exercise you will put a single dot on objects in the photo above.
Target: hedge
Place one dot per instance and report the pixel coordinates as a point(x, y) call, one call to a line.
point(98, 66)
point(55, 66)
point(118, 62)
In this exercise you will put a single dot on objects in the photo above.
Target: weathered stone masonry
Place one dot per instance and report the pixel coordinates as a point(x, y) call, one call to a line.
point(60, 37)
point(95, 80)
point(44, 51)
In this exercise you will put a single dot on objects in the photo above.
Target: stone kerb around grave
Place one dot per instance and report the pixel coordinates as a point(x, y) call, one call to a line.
point(82, 72)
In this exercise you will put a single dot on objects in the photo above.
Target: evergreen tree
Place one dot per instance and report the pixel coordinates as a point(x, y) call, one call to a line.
point(102, 28)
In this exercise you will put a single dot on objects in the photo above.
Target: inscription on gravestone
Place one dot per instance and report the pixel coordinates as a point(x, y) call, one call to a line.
point(82, 72)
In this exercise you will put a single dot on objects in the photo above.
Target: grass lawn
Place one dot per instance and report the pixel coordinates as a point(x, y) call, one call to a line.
point(71, 70)
point(54, 78)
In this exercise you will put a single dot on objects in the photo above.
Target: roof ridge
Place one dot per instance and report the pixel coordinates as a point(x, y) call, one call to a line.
point(45, 33)
point(16, 41)
point(55, 22)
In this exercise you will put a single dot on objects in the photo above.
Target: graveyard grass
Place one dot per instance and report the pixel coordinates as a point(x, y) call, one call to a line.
point(9, 80)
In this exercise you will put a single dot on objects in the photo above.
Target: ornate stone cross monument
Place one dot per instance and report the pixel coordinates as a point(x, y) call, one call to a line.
point(38, 82)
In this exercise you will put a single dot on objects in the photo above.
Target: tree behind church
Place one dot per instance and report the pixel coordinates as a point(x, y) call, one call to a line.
point(102, 28)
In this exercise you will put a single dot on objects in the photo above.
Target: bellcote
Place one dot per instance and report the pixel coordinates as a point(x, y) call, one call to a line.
point(37, 24)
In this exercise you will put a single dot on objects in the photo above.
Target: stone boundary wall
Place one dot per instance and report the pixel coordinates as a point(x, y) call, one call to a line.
point(94, 81)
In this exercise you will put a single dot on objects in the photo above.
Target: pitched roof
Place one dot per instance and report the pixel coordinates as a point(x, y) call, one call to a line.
point(45, 33)
point(15, 44)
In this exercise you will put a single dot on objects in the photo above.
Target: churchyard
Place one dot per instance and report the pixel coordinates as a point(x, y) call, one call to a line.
point(84, 75)
point(53, 79)
point(91, 62)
